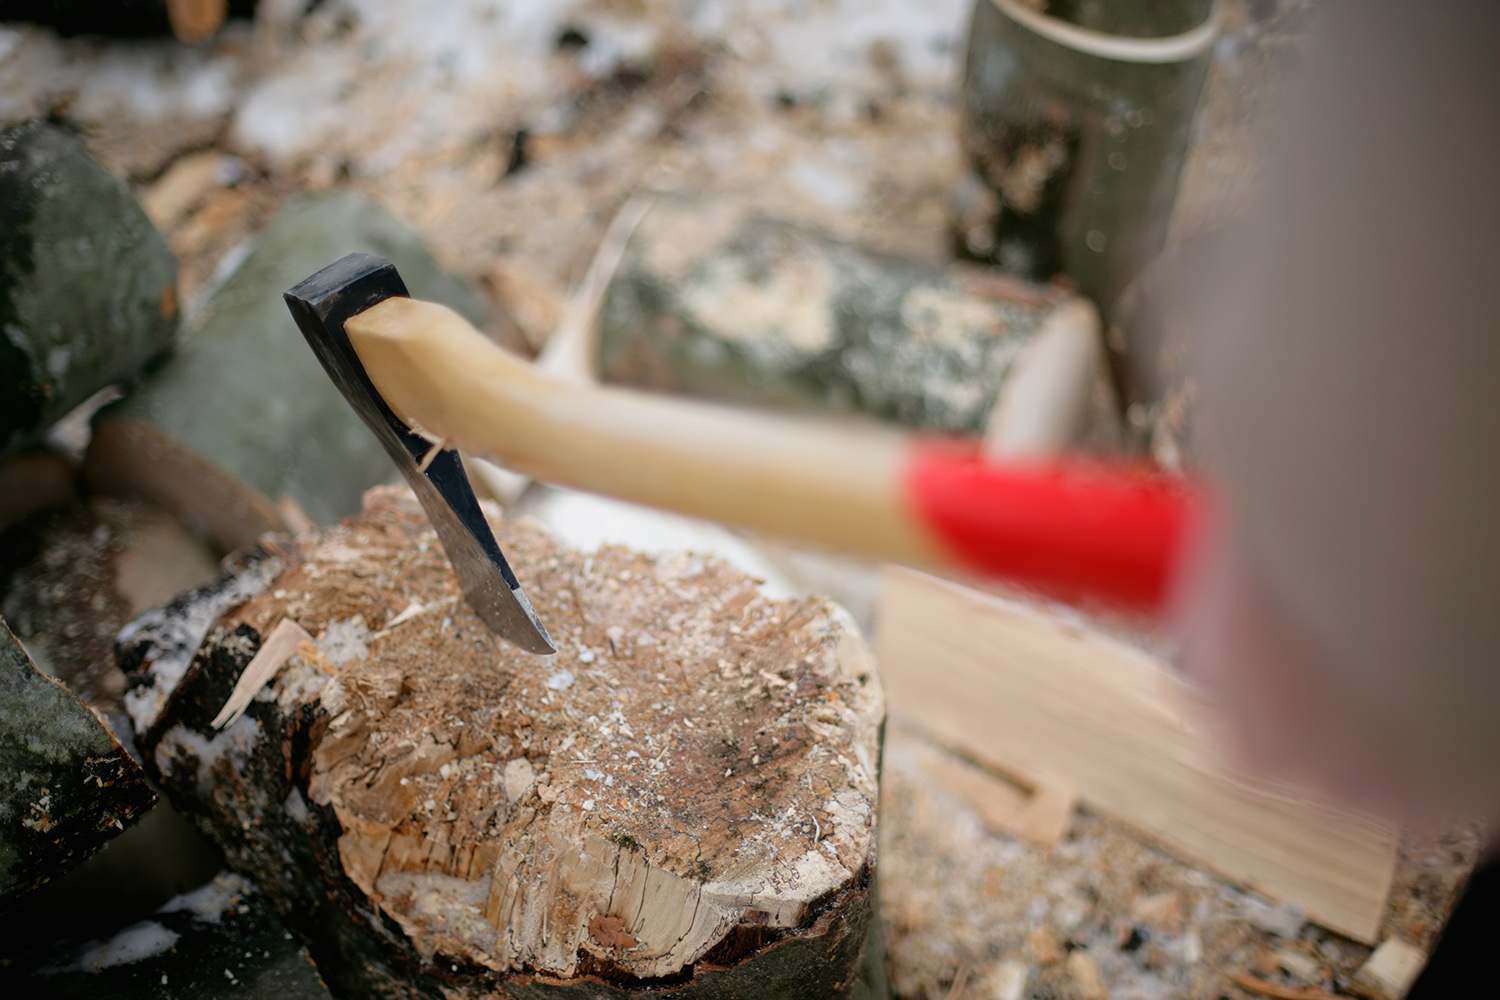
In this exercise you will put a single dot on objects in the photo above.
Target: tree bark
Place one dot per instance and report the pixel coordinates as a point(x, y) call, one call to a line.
point(680, 803)
point(221, 939)
point(66, 785)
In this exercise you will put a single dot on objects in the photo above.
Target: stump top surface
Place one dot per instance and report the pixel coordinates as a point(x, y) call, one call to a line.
point(695, 758)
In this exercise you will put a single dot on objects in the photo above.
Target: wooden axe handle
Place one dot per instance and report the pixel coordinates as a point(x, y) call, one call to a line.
point(829, 485)
point(1072, 529)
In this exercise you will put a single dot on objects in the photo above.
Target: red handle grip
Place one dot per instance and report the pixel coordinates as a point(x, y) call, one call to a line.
point(1076, 530)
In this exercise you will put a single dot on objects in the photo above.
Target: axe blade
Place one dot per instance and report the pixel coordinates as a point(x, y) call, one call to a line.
point(321, 305)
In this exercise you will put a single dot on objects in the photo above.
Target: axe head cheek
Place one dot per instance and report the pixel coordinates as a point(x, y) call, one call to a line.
point(321, 305)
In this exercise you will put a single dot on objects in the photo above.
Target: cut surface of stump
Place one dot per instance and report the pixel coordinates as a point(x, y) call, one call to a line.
point(685, 792)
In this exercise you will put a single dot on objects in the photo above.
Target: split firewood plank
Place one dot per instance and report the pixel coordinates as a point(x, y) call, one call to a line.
point(683, 797)
point(1390, 971)
point(1056, 701)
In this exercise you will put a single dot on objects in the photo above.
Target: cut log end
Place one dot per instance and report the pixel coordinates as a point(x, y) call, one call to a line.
point(685, 791)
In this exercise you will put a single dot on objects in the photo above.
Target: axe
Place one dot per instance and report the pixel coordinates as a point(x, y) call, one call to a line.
point(427, 383)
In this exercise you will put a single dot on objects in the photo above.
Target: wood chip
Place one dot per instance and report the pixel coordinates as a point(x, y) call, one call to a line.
point(185, 185)
point(1085, 976)
point(196, 20)
point(1390, 971)
point(274, 651)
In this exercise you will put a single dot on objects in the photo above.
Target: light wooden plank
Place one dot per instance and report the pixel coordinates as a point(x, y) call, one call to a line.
point(1008, 683)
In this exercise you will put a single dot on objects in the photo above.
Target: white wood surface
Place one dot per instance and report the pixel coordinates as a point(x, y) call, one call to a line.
point(1005, 682)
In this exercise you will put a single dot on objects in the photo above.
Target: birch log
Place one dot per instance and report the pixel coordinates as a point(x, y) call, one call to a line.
point(714, 300)
point(242, 417)
point(1075, 121)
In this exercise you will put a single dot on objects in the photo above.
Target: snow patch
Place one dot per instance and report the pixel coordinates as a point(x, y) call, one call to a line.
point(135, 943)
point(209, 901)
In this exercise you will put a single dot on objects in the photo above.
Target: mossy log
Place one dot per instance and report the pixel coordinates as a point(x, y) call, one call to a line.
point(713, 300)
point(66, 785)
point(1076, 120)
point(680, 803)
point(88, 287)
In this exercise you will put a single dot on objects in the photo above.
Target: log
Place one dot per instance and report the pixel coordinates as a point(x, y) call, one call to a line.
point(87, 284)
point(66, 785)
point(681, 802)
point(243, 415)
point(1075, 122)
point(712, 300)
point(33, 481)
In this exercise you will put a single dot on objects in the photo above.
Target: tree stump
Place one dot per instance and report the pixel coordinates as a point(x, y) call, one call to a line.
point(682, 801)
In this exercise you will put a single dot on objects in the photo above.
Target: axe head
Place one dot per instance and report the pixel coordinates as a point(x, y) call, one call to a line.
point(321, 305)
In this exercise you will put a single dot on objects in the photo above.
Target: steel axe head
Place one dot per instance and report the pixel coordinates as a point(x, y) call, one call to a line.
point(321, 305)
